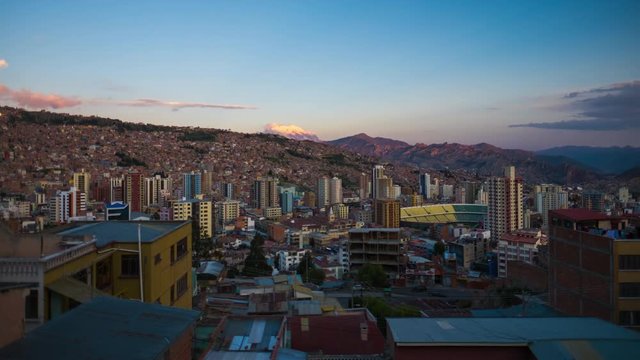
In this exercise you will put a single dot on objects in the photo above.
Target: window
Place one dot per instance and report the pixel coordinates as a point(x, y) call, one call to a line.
point(103, 274)
point(173, 254)
point(129, 265)
point(629, 318)
point(629, 262)
point(31, 305)
point(157, 259)
point(182, 285)
point(173, 293)
point(181, 249)
point(629, 289)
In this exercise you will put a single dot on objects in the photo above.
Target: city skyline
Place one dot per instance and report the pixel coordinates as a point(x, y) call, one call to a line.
point(530, 75)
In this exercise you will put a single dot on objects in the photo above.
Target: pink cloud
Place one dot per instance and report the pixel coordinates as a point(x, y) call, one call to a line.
point(176, 105)
point(3, 63)
point(290, 131)
point(32, 99)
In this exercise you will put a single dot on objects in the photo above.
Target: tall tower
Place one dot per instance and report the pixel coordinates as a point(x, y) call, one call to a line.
point(425, 185)
point(265, 193)
point(191, 185)
point(156, 190)
point(116, 189)
point(550, 197)
point(384, 188)
point(365, 186)
point(323, 192)
point(376, 173)
point(133, 185)
point(387, 213)
point(505, 203)
point(286, 200)
point(82, 181)
point(335, 191)
point(227, 191)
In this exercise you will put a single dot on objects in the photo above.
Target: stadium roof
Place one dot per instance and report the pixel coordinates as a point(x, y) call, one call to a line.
point(444, 213)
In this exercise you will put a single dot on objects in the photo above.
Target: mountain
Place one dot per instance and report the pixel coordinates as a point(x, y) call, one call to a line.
point(42, 146)
point(367, 145)
point(485, 159)
point(608, 160)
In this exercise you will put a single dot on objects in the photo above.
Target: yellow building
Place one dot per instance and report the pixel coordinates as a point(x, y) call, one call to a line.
point(103, 259)
point(82, 181)
point(387, 213)
point(197, 210)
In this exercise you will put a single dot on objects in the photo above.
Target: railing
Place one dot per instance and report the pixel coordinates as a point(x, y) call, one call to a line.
point(57, 259)
point(20, 270)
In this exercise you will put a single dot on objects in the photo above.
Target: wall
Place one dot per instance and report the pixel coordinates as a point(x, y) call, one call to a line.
point(12, 315)
point(462, 352)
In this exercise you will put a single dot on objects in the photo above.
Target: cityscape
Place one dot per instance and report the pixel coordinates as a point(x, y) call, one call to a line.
point(307, 196)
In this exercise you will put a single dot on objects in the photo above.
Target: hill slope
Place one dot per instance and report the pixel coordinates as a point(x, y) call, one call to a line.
point(609, 160)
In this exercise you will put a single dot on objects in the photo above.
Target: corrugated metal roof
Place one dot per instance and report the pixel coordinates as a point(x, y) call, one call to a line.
point(586, 349)
point(503, 330)
point(125, 231)
point(105, 328)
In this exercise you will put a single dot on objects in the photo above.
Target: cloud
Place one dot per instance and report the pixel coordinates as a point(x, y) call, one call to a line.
point(177, 105)
point(3, 64)
point(290, 131)
point(32, 99)
point(612, 107)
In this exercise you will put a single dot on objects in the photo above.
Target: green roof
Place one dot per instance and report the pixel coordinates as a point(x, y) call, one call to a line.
point(107, 232)
point(105, 328)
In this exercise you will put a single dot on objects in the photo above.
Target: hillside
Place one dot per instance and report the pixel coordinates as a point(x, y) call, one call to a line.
point(40, 145)
point(608, 160)
point(483, 158)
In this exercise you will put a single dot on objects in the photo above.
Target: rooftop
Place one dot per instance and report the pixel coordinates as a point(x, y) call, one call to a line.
point(125, 231)
point(580, 214)
point(105, 328)
point(469, 331)
point(351, 334)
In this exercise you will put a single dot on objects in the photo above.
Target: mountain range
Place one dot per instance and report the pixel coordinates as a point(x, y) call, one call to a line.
point(548, 166)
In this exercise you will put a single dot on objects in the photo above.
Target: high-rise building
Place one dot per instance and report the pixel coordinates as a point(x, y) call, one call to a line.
point(446, 191)
point(226, 213)
point(549, 197)
point(384, 188)
point(200, 211)
point(157, 190)
point(286, 201)
point(341, 211)
point(67, 204)
point(116, 189)
point(593, 200)
point(335, 191)
point(623, 195)
point(505, 212)
point(365, 186)
point(207, 181)
point(191, 185)
point(82, 181)
point(377, 246)
point(460, 195)
point(228, 191)
point(376, 173)
point(265, 193)
point(387, 213)
point(309, 199)
point(133, 191)
point(323, 192)
point(425, 185)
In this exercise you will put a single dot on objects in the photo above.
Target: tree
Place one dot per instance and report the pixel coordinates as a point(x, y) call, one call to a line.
point(439, 248)
point(373, 275)
point(309, 272)
point(256, 264)
point(201, 246)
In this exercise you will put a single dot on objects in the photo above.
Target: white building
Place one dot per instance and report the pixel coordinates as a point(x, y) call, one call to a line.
point(288, 260)
point(521, 245)
point(550, 197)
point(505, 212)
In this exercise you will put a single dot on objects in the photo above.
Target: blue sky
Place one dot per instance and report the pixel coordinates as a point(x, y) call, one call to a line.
point(419, 71)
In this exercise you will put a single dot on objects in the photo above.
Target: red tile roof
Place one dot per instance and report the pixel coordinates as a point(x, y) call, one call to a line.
point(579, 214)
point(336, 335)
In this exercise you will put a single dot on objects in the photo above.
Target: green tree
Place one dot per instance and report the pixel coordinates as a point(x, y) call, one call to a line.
point(256, 264)
point(201, 246)
point(309, 272)
point(373, 275)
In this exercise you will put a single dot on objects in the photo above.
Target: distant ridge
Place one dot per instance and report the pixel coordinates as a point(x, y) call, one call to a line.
point(608, 160)
point(483, 158)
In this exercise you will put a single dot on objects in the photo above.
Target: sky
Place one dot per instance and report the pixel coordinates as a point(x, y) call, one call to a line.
point(516, 74)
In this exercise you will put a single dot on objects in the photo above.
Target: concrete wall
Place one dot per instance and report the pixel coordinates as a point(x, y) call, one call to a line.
point(12, 315)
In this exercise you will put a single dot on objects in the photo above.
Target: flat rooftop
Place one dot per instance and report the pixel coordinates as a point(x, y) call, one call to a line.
point(105, 328)
point(107, 232)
